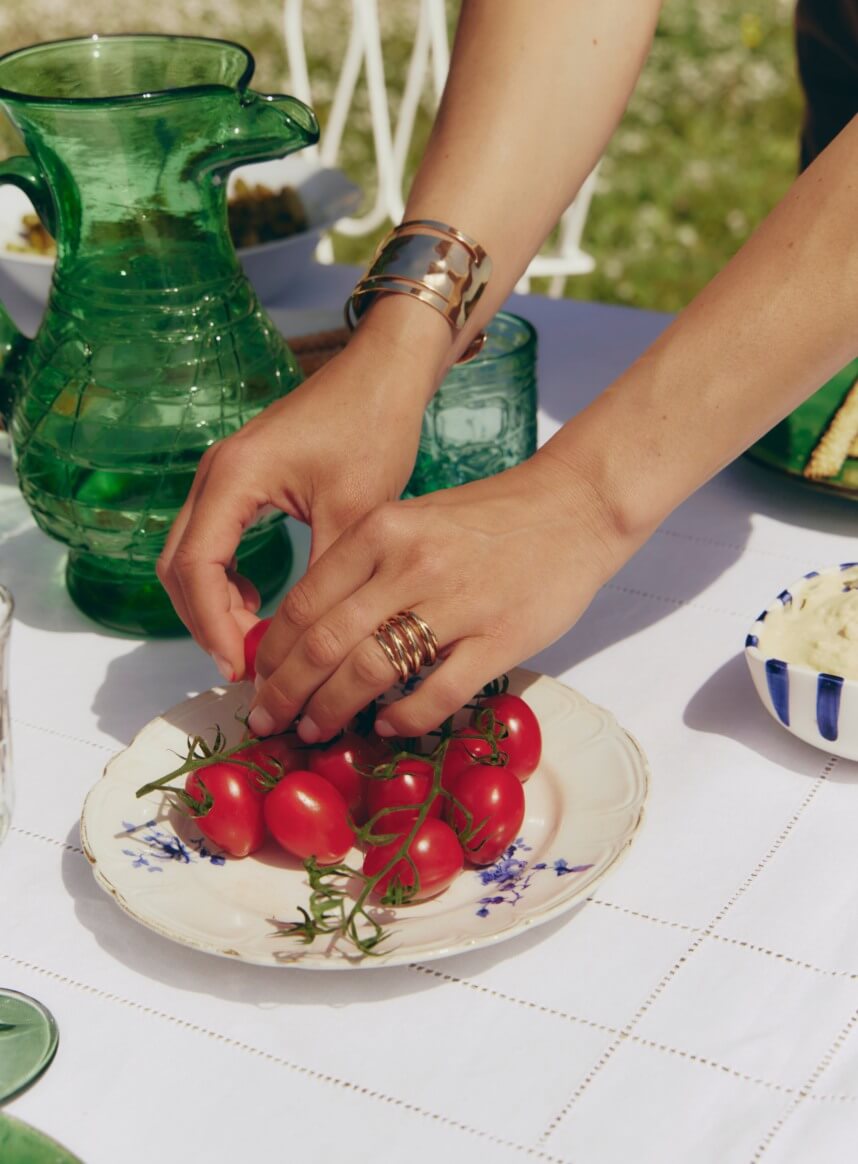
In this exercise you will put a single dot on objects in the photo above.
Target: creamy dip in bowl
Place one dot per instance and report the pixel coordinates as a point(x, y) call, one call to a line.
point(802, 652)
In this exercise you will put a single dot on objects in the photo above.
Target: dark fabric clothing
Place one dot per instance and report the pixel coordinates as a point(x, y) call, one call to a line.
point(827, 49)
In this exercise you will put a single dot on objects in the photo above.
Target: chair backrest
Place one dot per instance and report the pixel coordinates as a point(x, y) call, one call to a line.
point(430, 56)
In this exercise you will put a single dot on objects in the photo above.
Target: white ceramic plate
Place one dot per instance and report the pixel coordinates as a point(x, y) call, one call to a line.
point(584, 806)
point(327, 195)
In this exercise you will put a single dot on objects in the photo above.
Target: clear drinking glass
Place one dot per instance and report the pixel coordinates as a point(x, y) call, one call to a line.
point(28, 1033)
point(6, 800)
point(482, 419)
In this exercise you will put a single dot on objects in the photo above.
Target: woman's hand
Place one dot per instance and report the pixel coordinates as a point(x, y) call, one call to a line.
point(340, 444)
point(498, 569)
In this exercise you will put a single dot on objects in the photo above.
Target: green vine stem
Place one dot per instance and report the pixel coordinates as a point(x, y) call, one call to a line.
point(202, 755)
point(328, 898)
point(328, 911)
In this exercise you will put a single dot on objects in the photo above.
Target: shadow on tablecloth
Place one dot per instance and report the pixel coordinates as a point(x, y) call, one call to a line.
point(740, 493)
point(725, 706)
point(147, 681)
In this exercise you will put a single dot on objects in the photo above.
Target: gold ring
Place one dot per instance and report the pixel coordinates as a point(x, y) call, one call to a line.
point(404, 655)
point(396, 660)
point(429, 641)
point(408, 642)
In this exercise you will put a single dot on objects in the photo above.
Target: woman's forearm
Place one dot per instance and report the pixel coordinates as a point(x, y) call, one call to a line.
point(772, 327)
point(534, 92)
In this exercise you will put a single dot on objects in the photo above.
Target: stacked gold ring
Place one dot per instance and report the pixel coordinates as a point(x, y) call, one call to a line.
point(408, 642)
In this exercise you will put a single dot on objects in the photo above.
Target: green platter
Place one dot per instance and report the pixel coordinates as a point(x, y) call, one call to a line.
point(789, 445)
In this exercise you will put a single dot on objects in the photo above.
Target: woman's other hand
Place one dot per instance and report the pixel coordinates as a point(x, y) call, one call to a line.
point(498, 569)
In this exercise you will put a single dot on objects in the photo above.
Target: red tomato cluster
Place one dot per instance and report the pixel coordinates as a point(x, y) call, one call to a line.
point(308, 799)
point(319, 802)
point(475, 810)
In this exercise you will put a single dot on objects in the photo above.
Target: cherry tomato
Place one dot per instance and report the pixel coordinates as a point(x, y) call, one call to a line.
point(251, 645)
point(495, 799)
point(308, 818)
point(235, 820)
point(276, 755)
point(408, 787)
point(516, 729)
point(343, 764)
point(463, 751)
point(435, 851)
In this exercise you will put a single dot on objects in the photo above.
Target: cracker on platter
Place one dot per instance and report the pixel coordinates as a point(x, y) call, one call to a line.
point(839, 441)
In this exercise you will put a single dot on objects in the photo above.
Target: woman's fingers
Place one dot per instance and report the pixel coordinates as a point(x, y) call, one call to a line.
point(164, 564)
point(322, 651)
point(467, 667)
point(196, 564)
point(367, 673)
point(339, 573)
point(325, 531)
point(249, 598)
point(364, 675)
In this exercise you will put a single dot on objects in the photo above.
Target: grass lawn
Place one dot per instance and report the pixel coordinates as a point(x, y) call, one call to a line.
point(707, 147)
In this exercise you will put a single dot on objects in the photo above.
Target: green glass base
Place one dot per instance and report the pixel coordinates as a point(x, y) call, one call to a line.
point(21, 1144)
point(28, 1042)
point(127, 596)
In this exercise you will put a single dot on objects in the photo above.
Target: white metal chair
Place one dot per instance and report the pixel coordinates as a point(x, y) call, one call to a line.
point(430, 54)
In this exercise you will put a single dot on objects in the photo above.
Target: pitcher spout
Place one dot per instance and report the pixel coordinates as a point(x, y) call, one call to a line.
point(299, 121)
point(259, 127)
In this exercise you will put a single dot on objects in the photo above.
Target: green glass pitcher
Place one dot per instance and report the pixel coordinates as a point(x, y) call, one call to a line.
point(153, 344)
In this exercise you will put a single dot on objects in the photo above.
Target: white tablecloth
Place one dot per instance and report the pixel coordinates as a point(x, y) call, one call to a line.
point(701, 1007)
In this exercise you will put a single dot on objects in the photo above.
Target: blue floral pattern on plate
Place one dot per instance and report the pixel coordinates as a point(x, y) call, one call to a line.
point(160, 845)
point(512, 875)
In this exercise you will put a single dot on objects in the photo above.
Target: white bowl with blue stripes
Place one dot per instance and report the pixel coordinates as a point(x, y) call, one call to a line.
point(820, 707)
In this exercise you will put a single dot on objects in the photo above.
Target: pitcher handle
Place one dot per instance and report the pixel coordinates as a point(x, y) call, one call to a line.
point(20, 171)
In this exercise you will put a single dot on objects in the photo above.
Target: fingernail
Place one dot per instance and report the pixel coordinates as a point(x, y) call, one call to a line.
point(225, 667)
point(261, 722)
point(308, 731)
point(383, 728)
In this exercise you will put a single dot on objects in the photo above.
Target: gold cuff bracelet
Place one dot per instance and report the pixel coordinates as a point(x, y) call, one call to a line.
point(431, 262)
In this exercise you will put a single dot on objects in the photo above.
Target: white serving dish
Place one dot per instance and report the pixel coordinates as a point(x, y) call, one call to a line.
point(327, 195)
point(819, 707)
point(584, 806)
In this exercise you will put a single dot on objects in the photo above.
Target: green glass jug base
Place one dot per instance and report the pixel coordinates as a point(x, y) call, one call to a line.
point(21, 1144)
point(130, 598)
